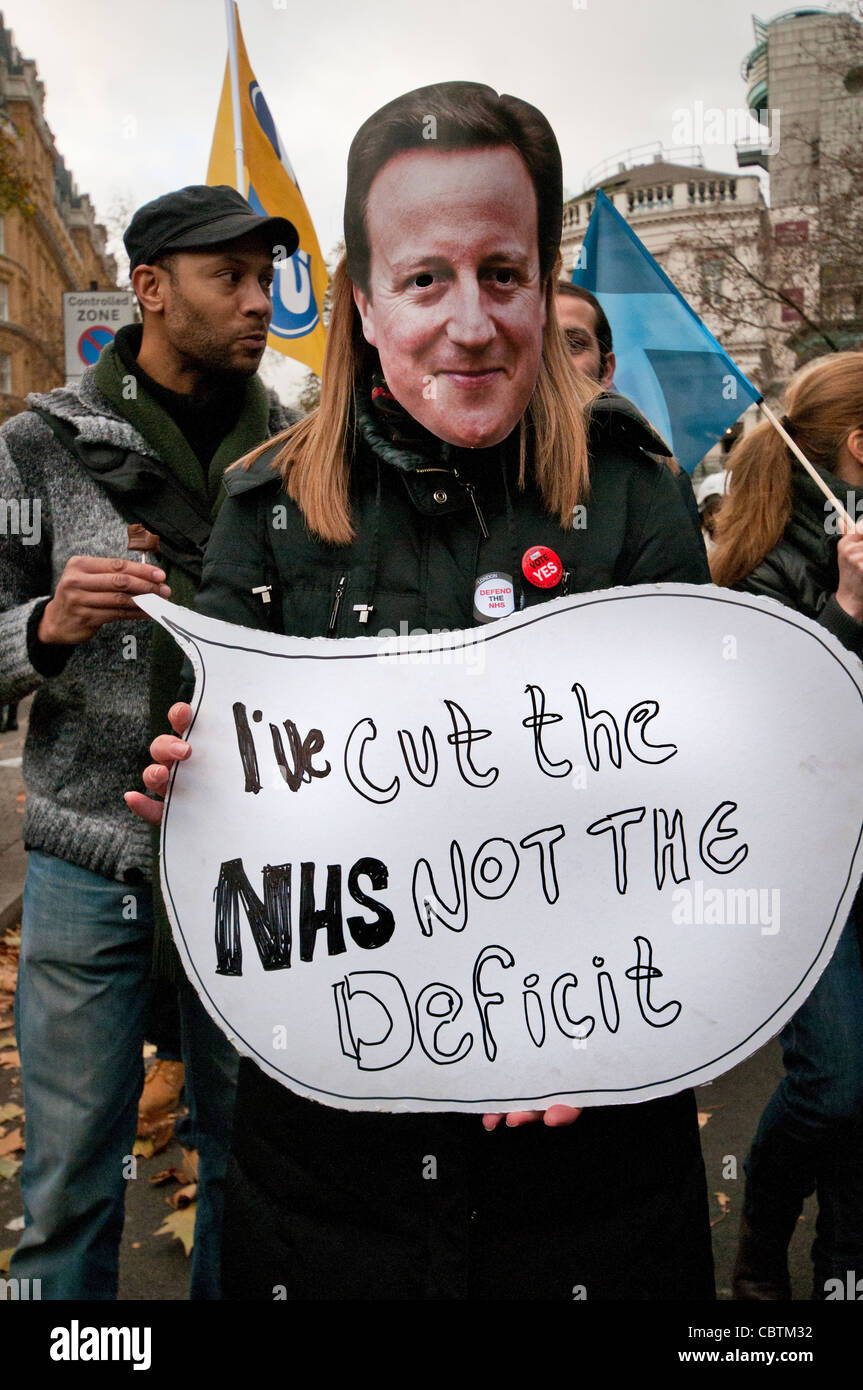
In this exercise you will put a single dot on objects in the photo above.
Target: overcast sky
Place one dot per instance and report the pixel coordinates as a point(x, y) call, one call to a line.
point(132, 88)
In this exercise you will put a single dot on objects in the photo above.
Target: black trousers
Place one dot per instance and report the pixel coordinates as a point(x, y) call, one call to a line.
point(325, 1204)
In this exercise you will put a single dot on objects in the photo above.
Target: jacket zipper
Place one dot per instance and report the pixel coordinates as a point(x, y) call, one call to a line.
point(340, 589)
point(469, 489)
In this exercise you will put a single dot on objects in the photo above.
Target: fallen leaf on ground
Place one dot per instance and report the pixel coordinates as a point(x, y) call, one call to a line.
point(5, 1257)
point(157, 1133)
point(10, 1111)
point(8, 1040)
point(707, 1114)
point(143, 1148)
point(724, 1207)
point(9, 1166)
point(136, 1245)
point(21, 797)
point(167, 1175)
point(183, 1196)
point(190, 1164)
point(150, 1049)
point(10, 1142)
point(10, 1059)
point(181, 1225)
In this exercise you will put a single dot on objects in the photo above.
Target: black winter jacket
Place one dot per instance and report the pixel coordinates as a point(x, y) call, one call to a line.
point(802, 571)
point(326, 1204)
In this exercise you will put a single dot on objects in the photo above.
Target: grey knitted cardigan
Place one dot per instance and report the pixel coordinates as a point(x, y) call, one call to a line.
point(89, 726)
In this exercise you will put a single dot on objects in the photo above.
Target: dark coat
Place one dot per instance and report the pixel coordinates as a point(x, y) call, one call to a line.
point(802, 571)
point(327, 1204)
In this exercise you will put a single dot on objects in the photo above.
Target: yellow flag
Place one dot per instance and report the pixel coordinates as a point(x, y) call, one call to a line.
point(297, 329)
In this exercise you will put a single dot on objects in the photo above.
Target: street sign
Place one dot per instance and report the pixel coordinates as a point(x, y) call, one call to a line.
point(90, 320)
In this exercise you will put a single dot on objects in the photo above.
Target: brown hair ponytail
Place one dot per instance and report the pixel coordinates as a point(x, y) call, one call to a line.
point(824, 403)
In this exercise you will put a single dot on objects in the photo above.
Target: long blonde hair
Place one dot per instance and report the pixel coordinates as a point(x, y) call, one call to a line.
point(314, 460)
point(823, 403)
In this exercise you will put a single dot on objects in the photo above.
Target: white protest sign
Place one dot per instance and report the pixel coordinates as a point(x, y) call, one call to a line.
point(593, 853)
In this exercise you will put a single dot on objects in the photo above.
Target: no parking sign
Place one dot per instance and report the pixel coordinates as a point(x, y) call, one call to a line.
point(90, 320)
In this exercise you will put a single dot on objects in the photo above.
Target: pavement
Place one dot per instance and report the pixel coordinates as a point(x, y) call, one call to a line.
point(154, 1266)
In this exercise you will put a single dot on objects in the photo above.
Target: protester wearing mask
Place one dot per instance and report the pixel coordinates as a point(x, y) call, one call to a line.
point(450, 441)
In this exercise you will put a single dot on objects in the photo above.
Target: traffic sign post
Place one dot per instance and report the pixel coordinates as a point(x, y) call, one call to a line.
point(90, 320)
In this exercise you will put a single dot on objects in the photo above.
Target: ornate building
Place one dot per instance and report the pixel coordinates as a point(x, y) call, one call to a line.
point(58, 246)
point(777, 284)
point(688, 218)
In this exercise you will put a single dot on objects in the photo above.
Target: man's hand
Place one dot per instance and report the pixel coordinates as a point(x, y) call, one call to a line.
point(166, 750)
point(92, 592)
point(849, 595)
point(554, 1117)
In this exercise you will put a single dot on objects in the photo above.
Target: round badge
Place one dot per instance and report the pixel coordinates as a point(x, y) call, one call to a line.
point(493, 597)
point(541, 567)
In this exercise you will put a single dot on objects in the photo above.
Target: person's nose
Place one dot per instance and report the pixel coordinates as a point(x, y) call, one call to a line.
point(469, 323)
point(256, 301)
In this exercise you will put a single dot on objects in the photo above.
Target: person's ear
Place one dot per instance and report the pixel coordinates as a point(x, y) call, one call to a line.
point(855, 445)
point(148, 283)
point(367, 315)
point(608, 374)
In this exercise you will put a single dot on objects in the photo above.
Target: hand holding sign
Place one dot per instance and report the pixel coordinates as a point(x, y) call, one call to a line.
point(166, 750)
point(492, 870)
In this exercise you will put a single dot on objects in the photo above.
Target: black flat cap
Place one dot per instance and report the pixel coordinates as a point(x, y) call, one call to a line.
point(198, 217)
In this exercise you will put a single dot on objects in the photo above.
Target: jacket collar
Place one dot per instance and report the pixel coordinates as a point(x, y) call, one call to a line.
point(103, 419)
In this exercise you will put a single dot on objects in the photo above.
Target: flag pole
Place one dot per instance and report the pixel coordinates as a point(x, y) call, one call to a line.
point(813, 473)
point(240, 176)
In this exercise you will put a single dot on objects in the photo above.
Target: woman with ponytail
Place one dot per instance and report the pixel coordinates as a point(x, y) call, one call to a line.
point(779, 536)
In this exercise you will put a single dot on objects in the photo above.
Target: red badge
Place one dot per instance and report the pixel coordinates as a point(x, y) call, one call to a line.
point(541, 567)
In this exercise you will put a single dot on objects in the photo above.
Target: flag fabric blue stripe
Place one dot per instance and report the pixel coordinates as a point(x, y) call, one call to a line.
point(668, 363)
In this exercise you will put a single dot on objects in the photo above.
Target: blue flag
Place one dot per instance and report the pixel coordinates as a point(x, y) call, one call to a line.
point(668, 363)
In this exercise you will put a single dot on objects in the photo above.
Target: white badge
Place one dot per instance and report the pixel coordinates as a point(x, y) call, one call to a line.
point(493, 597)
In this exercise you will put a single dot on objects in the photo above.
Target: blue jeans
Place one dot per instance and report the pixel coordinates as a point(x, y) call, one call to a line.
point(809, 1134)
point(211, 1082)
point(83, 983)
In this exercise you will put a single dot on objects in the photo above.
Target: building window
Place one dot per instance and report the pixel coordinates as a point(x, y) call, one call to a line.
point(4, 301)
point(853, 81)
point(791, 233)
point(5, 373)
point(711, 281)
point(794, 293)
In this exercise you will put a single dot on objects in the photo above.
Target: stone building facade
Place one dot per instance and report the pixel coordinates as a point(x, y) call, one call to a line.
point(688, 217)
point(59, 246)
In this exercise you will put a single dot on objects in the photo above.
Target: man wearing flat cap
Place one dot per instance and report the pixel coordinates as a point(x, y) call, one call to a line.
point(127, 467)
